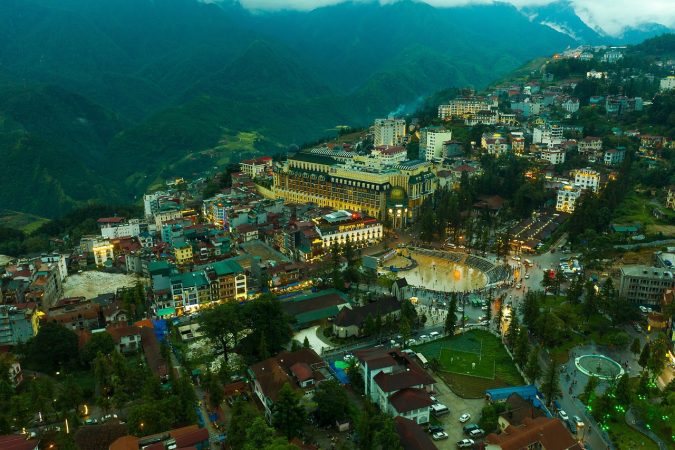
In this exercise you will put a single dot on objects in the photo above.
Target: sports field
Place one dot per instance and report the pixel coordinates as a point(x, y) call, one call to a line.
point(472, 362)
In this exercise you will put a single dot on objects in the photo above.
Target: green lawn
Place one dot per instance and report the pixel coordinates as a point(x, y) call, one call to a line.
point(626, 438)
point(457, 354)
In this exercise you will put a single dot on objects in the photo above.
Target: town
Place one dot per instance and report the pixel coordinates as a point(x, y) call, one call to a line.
point(491, 272)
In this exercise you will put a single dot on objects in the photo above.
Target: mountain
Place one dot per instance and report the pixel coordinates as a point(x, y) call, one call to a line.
point(100, 99)
point(562, 17)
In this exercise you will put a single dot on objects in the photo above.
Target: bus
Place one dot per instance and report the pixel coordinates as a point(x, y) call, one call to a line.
point(422, 359)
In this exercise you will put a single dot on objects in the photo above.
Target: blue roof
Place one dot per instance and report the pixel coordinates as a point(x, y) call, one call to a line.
point(527, 392)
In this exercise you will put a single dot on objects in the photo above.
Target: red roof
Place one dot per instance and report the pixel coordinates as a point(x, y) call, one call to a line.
point(412, 435)
point(390, 382)
point(410, 399)
point(302, 371)
point(111, 220)
point(17, 442)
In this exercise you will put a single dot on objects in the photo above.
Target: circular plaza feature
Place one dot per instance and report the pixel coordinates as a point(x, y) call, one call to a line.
point(599, 366)
point(442, 274)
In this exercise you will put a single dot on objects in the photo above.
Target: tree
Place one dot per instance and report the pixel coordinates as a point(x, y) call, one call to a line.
point(489, 416)
point(450, 322)
point(53, 349)
point(305, 343)
point(186, 400)
point(533, 369)
point(222, 325)
point(635, 347)
point(590, 300)
point(243, 415)
point(265, 317)
point(574, 291)
point(624, 390)
point(99, 342)
point(530, 308)
point(151, 417)
point(658, 351)
point(589, 389)
point(332, 403)
point(643, 361)
point(551, 385)
point(513, 332)
point(216, 394)
point(522, 347)
point(288, 415)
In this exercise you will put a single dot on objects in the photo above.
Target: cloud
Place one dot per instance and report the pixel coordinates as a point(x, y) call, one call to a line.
point(610, 16)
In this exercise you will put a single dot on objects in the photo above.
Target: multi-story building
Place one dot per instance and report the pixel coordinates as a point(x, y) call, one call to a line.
point(567, 198)
point(667, 83)
point(189, 291)
point(589, 144)
point(431, 142)
point(645, 285)
point(517, 143)
point(553, 154)
point(18, 323)
point(548, 133)
point(400, 189)
point(103, 251)
point(182, 251)
point(389, 132)
point(341, 226)
point(587, 179)
point(167, 212)
point(45, 287)
point(76, 314)
point(571, 105)
point(619, 104)
point(614, 156)
point(255, 168)
point(388, 156)
point(118, 227)
point(461, 106)
point(228, 281)
point(494, 143)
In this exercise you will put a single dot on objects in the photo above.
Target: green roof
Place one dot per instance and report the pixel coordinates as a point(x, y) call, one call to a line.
point(318, 314)
point(191, 279)
point(227, 267)
point(156, 267)
point(166, 311)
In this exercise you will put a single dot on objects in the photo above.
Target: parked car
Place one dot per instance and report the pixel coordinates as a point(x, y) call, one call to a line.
point(464, 417)
point(465, 443)
point(578, 422)
point(438, 409)
point(434, 334)
point(424, 337)
point(439, 436)
point(91, 421)
point(435, 429)
point(477, 433)
point(469, 428)
point(563, 415)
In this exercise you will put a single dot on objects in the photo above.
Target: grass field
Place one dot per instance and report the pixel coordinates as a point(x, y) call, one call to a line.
point(21, 221)
point(458, 354)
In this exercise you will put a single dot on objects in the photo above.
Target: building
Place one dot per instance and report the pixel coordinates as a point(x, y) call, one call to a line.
point(431, 142)
point(339, 227)
point(587, 179)
point(397, 384)
point(189, 291)
point(412, 436)
point(118, 227)
point(620, 104)
point(554, 155)
point(667, 83)
point(127, 338)
point(670, 198)
point(255, 168)
point(538, 433)
point(548, 133)
point(76, 314)
point(645, 285)
point(461, 106)
point(494, 143)
point(570, 105)
point(182, 251)
point(397, 191)
point(614, 156)
point(316, 307)
point(189, 437)
point(18, 442)
point(103, 251)
point(567, 198)
point(350, 321)
point(389, 132)
point(228, 281)
point(589, 144)
point(389, 156)
point(302, 370)
point(18, 323)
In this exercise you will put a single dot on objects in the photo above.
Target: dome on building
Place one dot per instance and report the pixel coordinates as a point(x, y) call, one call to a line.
point(397, 193)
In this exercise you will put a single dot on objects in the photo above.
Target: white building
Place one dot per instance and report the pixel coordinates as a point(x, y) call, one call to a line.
point(389, 132)
point(151, 203)
point(549, 134)
point(554, 155)
point(340, 226)
point(667, 83)
point(131, 228)
point(587, 179)
point(567, 198)
point(256, 167)
point(388, 156)
point(103, 251)
point(645, 285)
point(431, 142)
point(571, 105)
point(460, 106)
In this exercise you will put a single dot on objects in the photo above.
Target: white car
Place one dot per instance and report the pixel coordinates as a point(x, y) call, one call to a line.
point(527, 276)
point(465, 417)
point(424, 337)
point(465, 443)
point(439, 436)
point(578, 422)
point(563, 415)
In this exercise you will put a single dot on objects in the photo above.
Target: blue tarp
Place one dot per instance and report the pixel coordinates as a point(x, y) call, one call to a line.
point(160, 329)
point(526, 392)
point(340, 374)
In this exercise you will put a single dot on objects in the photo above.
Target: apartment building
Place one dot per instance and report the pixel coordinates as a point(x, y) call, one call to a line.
point(587, 179)
point(431, 142)
point(567, 198)
point(389, 132)
point(255, 168)
point(645, 285)
point(461, 106)
point(554, 155)
point(341, 226)
point(18, 323)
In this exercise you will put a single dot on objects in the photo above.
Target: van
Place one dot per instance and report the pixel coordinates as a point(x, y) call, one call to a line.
point(438, 409)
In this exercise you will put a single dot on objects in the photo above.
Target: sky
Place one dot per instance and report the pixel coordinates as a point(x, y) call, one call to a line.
point(611, 16)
